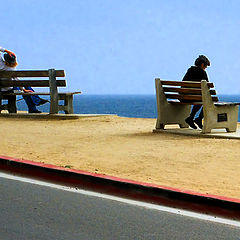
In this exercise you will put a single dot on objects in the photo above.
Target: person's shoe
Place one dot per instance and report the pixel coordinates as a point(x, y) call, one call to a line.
point(37, 111)
point(198, 121)
point(190, 122)
point(42, 101)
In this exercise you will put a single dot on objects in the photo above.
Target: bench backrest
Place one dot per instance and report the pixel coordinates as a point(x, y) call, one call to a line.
point(186, 91)
point(51, 74)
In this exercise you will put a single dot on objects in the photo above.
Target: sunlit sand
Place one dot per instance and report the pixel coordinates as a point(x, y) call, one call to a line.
point(127, 148)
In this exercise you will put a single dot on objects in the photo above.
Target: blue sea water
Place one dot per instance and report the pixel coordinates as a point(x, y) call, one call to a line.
point(137, 106)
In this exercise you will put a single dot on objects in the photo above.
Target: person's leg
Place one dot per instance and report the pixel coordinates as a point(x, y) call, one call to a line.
point(199, 119)
point(31, 106)
point(36, 99)
point(189, 120)
point(195, 109)
point(201, 114)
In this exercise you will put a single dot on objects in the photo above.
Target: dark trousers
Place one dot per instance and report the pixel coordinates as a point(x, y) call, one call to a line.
point(195, 109)
point(31, 101)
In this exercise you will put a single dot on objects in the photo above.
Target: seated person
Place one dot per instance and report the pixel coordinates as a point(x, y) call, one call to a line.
point(197, 73)
point(8, 62)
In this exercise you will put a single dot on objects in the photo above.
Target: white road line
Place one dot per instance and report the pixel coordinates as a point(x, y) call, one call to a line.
point(128, 201)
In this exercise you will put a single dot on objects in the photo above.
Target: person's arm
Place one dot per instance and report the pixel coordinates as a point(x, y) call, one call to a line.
point(205, 76)
point(7, 51)
point(23, 89)
point(27, 91)
point(186, 76)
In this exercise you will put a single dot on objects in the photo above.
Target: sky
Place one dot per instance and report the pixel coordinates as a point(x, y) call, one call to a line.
point(121, 46)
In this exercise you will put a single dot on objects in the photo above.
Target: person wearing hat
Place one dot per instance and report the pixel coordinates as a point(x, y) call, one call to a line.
point(197, 73)
point(8, 62)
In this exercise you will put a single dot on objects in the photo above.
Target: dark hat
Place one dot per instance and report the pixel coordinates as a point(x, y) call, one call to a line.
point(9, 58)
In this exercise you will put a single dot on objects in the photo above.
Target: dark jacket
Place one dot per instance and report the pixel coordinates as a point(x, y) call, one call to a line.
point(195, 74)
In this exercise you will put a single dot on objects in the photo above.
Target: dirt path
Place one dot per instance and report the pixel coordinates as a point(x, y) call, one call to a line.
point(127, 148)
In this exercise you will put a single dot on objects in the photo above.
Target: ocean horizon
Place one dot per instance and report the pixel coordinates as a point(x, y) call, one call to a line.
point(131, 105)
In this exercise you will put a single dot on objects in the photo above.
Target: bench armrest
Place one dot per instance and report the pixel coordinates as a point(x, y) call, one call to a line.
point(226, 103)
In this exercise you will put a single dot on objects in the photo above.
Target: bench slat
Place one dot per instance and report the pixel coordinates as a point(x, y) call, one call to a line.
point(30, 73)
point(185, 84)
point(187, 90)
point(226, 103)
point(200, 103)
point(30, 83)
point(69, 93)
point(184, 103)
point(196, 98)
point(23, 93)
point(38, 93)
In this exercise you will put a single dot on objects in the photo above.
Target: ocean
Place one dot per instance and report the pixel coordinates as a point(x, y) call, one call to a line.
point(137, 106)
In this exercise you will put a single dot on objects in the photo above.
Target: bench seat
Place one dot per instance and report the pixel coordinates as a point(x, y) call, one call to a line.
point(201, 103)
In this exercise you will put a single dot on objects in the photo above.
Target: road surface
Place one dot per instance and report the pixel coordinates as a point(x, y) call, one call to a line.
point(33, 211)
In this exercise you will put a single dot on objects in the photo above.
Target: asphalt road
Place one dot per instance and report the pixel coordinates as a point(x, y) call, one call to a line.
point(34, 212)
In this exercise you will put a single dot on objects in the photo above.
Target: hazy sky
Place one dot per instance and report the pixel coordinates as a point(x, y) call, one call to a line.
point(120, 46)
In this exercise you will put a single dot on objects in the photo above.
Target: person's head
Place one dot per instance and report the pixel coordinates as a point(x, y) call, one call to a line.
point(202, 61)
point(9, 60)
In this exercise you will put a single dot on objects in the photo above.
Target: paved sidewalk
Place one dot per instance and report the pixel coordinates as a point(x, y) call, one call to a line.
point(216, 133)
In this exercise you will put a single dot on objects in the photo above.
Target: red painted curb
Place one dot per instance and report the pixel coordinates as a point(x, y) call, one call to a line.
point(103, 176)
point(173, 197)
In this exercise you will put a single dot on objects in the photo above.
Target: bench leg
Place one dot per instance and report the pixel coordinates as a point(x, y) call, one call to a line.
point(206, 130)
point(185, 125)
point(1, 106)
point(231, 129)
point(68, 103)
point(53, 107)
point(12, 108)
point(159, 125)
point(162, 126)
point(11, 104)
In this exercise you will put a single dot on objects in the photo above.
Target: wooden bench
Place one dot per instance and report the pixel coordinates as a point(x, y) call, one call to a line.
point(48, 79)
point(174, 100)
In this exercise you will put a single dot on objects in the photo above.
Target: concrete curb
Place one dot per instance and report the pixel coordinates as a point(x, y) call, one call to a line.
point(167, 196)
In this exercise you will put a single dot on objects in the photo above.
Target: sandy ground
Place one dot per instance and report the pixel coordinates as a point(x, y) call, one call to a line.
point(127, 148)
